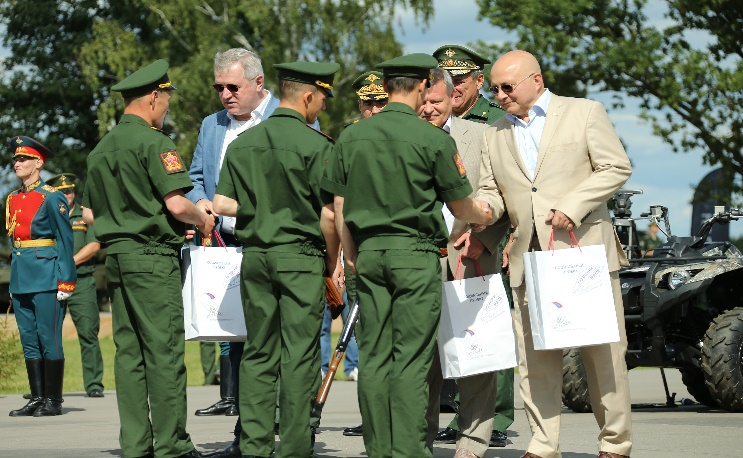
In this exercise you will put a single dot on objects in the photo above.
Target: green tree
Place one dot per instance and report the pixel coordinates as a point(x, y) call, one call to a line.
point(65, 55)
point(691, 96)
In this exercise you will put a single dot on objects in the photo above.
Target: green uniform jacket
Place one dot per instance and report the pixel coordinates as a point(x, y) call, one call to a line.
point(273, 170)
point(394, 171)
point(83, 235)
point(484, 112)
point(129, 173)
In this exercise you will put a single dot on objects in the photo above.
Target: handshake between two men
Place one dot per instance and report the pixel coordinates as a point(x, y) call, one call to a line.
point(476, 212)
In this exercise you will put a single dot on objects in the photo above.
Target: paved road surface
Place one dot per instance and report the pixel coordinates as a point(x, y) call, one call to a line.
point(89, 427)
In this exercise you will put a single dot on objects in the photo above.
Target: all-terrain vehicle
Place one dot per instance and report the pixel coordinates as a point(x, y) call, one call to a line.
point(683, 309)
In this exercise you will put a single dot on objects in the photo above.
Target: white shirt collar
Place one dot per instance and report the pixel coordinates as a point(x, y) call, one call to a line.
point(539, 108)
point(255, 115)
point(447, 125)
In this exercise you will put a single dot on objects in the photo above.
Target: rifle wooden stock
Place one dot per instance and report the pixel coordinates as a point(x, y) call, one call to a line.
point(340, 351)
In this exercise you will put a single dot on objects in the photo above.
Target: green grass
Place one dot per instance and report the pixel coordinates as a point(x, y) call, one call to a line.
point(17, 383)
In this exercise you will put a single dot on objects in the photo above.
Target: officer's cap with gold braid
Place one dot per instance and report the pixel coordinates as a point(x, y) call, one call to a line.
point(417, 65)
point(369, 86)
point(27, 146)
point(153, 77)
point(459, 60)
point(62, 181)
point(318, 74)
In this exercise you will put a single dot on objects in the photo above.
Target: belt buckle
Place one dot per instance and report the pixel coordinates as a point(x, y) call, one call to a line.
point(16, 243)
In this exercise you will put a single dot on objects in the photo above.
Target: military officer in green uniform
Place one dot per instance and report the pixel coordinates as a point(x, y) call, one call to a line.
point(135, 195)
point(83, 305)
point(370, 91)
point(42, 275)
point(391, 175)
point(466, 68)
point(270, 181)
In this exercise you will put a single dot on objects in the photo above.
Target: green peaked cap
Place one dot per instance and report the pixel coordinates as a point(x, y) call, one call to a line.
point(459, 60)
point(368, 86)
point(416, 65)
point(62, 181)
point(319, 74)
point(153, 77)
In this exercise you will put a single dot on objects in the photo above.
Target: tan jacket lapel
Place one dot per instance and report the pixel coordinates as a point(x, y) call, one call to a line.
point(554, 114)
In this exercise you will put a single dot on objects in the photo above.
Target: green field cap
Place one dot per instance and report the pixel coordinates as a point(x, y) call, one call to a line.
point(153, 77)
point(320, 74)
point(62, 181)
point(416, 65)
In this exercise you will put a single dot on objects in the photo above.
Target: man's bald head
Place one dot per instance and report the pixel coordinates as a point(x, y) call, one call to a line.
point(518, 77)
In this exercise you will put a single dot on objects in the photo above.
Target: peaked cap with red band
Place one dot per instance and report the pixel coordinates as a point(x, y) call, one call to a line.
point(27, 146)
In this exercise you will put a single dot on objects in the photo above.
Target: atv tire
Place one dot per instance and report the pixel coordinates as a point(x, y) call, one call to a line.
point(693, 380)
point(722, 358)
point(574, 382)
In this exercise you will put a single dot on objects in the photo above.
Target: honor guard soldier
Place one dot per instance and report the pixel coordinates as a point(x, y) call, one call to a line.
point(391, 175)
point(42, 275)
point(270, 181)
point(83, 305)
point(135, 195)
point(466, 68)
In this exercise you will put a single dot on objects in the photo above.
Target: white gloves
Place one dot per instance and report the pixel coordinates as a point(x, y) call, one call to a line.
point(63, 295)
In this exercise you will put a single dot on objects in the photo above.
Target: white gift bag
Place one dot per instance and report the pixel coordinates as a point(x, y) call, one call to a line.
point(476, 329)
point(571, 303)
point(213, 310)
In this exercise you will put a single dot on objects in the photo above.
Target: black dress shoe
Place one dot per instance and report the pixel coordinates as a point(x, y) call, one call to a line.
point(231, 411)
point(498, 439)
point(27, 396)
point(192, 454)
point(218, 408)
point(447, 436)
point(95, 394)
point(354, 431)
point(231, 451)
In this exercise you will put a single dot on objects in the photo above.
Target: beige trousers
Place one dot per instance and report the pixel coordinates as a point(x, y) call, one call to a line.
point(541, 384)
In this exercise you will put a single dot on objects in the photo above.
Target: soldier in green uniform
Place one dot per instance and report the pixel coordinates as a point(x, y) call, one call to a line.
point(83, 305)
point(135, 195)
point(270, 181)
point(466, 68)
point(391, 175)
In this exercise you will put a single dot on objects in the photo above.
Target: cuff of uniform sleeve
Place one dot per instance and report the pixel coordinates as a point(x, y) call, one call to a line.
point(67, 287)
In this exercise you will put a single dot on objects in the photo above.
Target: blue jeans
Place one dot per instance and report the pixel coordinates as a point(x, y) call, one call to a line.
point(352, 351)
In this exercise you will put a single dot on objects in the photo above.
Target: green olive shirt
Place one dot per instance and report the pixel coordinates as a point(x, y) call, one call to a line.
point(273, 170)
point(83, 235)
point(394, 171)
point(130, 172)
point(484, 112)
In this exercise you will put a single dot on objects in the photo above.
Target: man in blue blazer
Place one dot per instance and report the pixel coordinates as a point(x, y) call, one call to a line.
point(239, 81)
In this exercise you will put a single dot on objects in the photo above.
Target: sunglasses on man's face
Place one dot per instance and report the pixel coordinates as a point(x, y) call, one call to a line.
point(507, 88)
point(23, 159)
point(230, 87)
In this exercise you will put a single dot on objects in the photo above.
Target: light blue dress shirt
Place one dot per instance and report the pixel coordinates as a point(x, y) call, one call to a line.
point(528, 135)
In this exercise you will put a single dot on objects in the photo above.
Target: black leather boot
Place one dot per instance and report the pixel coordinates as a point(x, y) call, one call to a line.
point(226, 405)
point(53, 382)
point(35, 371)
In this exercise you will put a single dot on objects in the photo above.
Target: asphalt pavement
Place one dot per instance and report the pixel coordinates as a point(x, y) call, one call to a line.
point(89, 427)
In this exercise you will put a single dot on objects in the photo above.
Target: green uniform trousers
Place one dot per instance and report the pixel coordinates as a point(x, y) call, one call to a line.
point(400, 301)
point(147, 313)
point(83, 307)
point(208, 351)
point(283, 300)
